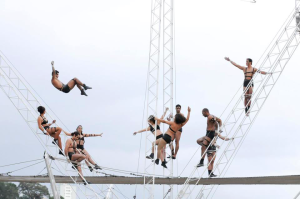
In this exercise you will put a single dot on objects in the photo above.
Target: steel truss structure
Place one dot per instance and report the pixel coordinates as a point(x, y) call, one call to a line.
point(152, 94)
point(157, 8)
point(237, 124)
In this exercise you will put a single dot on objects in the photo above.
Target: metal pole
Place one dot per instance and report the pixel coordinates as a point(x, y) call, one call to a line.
point(109, 193)
point(51, 177)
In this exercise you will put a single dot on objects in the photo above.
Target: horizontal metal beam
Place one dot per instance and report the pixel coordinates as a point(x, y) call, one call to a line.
point(264, 180)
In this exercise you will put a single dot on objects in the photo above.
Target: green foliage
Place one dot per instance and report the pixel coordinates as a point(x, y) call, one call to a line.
point(32, 190)
point(53, 197)
point(8, 191)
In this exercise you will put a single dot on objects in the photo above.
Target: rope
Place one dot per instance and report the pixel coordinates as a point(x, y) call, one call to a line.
point(41, 171)
point(21, 162)
point(25, 167)
point(189, 161)
point(145, 96)
point(167, 193)
point(119, 191)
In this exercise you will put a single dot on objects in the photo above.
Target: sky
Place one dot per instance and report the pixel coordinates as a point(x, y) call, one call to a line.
point(106, 45)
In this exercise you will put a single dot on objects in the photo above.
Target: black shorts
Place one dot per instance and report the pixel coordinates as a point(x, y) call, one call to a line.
point(210, 134)
point(247, 81)
point(46, 127)
point(180, 130)
point(70, 154)
point(80, 146)
point(211, 149)
point(159, 136)
point(65, 88)
point(167, 138)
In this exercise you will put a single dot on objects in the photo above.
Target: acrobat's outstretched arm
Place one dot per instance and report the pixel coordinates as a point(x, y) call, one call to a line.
point(235, 64)
point(163, 121)
point(53, 69)
point(262, 72)
point(68, 134)
point(162, 117)
point(140, 131)
point(188, 116)
point(223, 138)
point(92, 135)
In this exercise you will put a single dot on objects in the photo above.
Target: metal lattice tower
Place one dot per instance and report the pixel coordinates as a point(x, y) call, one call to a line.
point(236, 124)
point(153, 83)
point(26, 103)
point(152, 94)
point(168, 88)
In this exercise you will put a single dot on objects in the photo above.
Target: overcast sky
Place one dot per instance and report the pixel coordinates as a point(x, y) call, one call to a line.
point(106, 45)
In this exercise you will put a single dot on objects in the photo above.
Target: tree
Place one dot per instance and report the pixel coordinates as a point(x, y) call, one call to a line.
point(53, 197)
point(32, 190)
point(8, 191)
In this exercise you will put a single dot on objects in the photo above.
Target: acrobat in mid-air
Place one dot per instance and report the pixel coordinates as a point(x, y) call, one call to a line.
point(44, 126)
point(151, 128)
point(66, 88)
point(174, 126)
point(80, 147)
point(249, 71)
point(74, 156)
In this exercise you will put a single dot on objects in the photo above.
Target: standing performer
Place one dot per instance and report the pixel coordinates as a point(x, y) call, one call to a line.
point(151, 128)
point(44, 126)
point(210, 133)
point(76, 158)
point(211, 153)
point(177, 135)
point(80, 146)
point(248, 77)
point(175, 125)
point(70, 85)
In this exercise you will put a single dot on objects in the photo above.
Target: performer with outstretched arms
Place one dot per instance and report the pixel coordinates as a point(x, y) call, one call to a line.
point(70, 85)
point(177, 135)
point(249, 71)
point(210, 133)
point(70, 150)
point(175, 125)
point(44, 126)
point(151, 128)
point(80, 146)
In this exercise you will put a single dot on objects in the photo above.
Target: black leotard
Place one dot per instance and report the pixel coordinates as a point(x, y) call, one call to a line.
point(45, 121)
point(172, 129)
point(210, 134)
point(159, 136)
point(80, 146)
point(153, 129)
point(247, 81)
